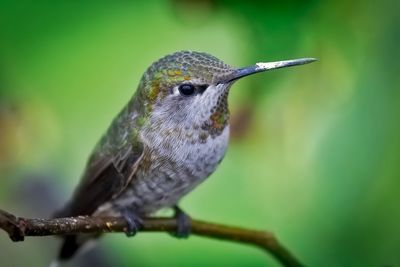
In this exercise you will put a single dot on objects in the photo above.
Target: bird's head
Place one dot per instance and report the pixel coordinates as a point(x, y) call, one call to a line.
point(190, 89)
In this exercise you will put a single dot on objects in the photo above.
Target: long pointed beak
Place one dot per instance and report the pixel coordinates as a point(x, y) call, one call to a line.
point(264, 66)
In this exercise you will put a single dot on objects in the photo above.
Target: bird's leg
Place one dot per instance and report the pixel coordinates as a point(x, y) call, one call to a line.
point(134, 222)
point(183, 221)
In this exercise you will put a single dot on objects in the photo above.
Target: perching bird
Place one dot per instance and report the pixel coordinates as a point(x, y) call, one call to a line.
point(168, 139)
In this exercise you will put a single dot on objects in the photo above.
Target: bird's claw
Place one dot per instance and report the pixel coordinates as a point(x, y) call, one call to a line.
point(133, 221)
point(184, 226)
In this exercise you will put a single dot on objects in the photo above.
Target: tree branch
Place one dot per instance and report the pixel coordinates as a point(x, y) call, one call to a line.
point(18, 228)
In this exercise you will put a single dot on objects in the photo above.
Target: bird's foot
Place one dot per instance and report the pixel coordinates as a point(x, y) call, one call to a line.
point(133, 221)
point(184, 225)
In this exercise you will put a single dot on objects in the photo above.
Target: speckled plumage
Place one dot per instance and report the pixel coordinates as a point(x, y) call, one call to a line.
point(163, 143)
point(182, 143)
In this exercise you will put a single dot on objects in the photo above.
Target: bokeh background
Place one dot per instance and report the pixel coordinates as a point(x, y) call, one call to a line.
point(314, 154)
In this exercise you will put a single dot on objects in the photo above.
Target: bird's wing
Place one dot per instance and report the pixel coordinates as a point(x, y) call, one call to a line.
point(105, 178)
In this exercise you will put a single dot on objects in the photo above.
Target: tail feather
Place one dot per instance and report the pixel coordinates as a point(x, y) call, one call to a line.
point(71, 243)
point(76, 244)
point(69, 247)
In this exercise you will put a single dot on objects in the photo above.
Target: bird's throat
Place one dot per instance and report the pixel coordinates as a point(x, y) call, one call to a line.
point(219, 117)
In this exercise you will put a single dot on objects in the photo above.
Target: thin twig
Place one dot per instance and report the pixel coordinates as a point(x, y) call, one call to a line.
point(18, 228)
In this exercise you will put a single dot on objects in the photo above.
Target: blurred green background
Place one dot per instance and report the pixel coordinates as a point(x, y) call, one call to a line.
point(314, 154)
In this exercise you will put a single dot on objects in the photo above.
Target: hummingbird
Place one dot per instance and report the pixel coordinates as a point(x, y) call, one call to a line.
point(170, 136)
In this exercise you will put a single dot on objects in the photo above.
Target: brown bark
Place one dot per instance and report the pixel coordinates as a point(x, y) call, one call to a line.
point(18, 228)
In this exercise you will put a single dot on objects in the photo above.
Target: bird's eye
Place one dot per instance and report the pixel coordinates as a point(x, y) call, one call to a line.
point(186, 89)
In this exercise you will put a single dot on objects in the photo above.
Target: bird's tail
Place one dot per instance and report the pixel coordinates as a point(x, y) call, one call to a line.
point(69, 247)
point(71, 244)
